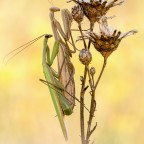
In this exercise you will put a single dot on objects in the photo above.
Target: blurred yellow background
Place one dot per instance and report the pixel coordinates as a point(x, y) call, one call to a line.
point(27, 115)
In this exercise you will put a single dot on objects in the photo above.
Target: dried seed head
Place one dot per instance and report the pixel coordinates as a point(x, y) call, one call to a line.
point(92, 71)
point(77, 13)
point(106, 44)
point(108, 40)
point(95, 9)
point(85, 56)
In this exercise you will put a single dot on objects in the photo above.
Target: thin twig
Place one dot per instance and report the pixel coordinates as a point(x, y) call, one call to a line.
point(104, 65)
point(80, 29)
point(90, 80)
point(93, 129)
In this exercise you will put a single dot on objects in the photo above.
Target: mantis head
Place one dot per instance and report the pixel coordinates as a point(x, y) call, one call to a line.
point(54, 9)
point(48, 36)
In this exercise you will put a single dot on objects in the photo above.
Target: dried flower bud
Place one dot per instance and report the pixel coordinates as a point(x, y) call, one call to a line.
point(92, 71)
point(85, 56)
point(77, 13)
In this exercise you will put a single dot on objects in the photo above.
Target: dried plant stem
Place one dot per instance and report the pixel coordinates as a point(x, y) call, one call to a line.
point(82, 93)
point(91, 29)
point(82, 108)
point(104, 65)
point(80, 29)
point(93, 105)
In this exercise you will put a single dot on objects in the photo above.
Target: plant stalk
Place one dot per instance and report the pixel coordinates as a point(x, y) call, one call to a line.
point(82, 108)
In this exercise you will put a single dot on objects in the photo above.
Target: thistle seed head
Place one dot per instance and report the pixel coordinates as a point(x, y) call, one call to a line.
point(108, 40)
point(77, 13)
point(85, 56)
point(106, 44)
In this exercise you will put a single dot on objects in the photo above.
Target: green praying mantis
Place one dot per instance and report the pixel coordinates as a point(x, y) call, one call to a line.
point(61, 85)
point(61, 104)
point(57, 90)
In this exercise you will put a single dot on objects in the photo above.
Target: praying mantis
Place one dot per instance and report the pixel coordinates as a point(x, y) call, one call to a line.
point(61, 104)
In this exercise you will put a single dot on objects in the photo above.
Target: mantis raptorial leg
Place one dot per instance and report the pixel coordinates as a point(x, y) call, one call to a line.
point(67, 74)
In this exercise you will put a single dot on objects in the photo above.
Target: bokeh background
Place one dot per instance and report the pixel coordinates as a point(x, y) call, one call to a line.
point(27, 115)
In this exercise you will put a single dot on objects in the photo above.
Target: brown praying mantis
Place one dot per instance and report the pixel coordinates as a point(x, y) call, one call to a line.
point(65, 66)
point(64, 54)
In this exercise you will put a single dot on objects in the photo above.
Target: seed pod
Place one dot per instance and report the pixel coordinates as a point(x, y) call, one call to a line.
point(92, 71)
point(77, 13)
point(85, 56)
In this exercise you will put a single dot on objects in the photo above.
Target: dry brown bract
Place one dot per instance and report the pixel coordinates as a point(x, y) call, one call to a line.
point(95, 9)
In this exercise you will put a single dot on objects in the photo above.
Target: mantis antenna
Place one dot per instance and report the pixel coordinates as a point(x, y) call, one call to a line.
point(16, 51)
